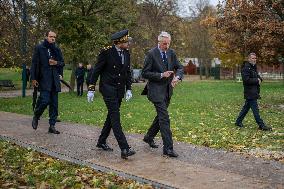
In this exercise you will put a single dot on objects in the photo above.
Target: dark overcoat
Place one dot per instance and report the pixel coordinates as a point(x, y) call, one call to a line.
point(250, 81)
point(44, 73)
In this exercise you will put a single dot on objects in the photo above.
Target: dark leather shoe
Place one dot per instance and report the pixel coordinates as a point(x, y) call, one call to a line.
point(53, 130)
point(265, 128)
point(105, 147)
point(239, 124)
point(127, 152)
point(170, 153)
point(35, 123)
point(150, 142)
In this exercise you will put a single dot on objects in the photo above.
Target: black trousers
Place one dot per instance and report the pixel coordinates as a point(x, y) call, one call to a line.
point(80, 88)
point(47, 98)
point(162, 123)
point(113, 122)
point(253, 105)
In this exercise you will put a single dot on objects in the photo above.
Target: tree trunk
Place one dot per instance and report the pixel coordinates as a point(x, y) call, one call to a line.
point(207, 61)
point(235, 72)
point(72, 78)
point(200, 68)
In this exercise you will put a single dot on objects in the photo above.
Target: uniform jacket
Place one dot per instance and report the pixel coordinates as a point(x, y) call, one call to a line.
point(157, 88)
point(80, 75)
point(250, 81)
point(89, 73)
point(115, 77)
point(44, 73)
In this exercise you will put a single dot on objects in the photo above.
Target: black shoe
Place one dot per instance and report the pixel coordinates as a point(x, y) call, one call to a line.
point(105, 147)
point(58, 120)
point(239, 124)
point(265, 128)
point(35, 123)
point(53, 130)
point(170, 153)
point(127, 152)
point(150, 142)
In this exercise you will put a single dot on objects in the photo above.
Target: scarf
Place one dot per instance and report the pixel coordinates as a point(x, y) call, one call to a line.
point(52, 49)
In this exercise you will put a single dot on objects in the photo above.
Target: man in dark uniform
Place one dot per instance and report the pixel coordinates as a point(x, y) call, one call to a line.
point(159, 66)
point(251, 83)
point(80, 77)
point(46, 71)
point(113, 67)
point(89, 73)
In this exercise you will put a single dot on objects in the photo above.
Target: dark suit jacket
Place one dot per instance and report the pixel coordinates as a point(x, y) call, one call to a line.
point(115, 77)
point(158, 88)
point(250, 81)
point(80, 75)
point(43, 72)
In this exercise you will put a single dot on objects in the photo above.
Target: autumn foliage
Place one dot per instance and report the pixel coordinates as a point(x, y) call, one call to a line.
point(245, 26)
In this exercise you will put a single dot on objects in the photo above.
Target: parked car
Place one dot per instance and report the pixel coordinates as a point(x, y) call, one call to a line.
point(137, 76)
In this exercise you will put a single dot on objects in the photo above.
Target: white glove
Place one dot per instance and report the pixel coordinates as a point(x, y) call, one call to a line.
point(90, 96)
point(128, 95)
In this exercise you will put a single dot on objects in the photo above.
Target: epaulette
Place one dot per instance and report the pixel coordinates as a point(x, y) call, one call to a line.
point(105, 48)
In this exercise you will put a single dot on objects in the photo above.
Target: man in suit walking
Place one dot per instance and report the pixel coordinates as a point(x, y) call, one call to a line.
point(113, 67)
point(46, 71)
point(163, 71)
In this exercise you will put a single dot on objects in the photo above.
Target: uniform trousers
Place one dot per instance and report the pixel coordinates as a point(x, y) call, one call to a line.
point(113, 122)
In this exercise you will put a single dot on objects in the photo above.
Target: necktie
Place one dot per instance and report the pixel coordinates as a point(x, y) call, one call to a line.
point(165, 60)
point(121, 54)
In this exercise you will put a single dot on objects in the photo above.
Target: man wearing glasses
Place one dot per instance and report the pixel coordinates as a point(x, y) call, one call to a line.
point(163, 71)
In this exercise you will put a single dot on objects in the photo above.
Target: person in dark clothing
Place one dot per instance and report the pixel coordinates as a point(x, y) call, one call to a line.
point(46, 71)
point(113, 67)
point(163, 71)
point(251, 83)
point(89, 73)
point(80, 76)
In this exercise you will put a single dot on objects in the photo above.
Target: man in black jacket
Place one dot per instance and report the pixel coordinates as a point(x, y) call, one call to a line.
point(113, 67)
point(89, 73)
point(80, 77)
point(163, 71)
point(46, 71)
point(251, 83)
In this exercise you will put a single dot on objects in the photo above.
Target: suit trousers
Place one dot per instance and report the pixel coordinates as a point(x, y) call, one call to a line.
point(80, 88)
point(161, 123)
point(250, 103)
point(113, 122)
point(47, 98)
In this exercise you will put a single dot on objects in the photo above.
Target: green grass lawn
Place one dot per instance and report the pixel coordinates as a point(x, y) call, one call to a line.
point(202, 113)
point(15, 74)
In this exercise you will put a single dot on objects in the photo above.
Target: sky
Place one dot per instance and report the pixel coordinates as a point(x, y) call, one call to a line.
point(214, 2)
point(184, 4)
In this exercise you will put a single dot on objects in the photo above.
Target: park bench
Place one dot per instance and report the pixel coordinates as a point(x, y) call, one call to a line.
point(6, 83)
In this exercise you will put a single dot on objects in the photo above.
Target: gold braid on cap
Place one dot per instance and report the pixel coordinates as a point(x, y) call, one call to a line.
point(123, 39)
point(91, 88)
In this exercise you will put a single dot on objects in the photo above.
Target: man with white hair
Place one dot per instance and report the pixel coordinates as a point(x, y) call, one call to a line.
point(163, 71)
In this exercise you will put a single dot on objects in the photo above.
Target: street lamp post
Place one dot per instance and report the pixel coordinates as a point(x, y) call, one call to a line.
point(24, 47)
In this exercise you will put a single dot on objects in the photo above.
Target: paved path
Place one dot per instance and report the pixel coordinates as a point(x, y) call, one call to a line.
point(196, 167)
